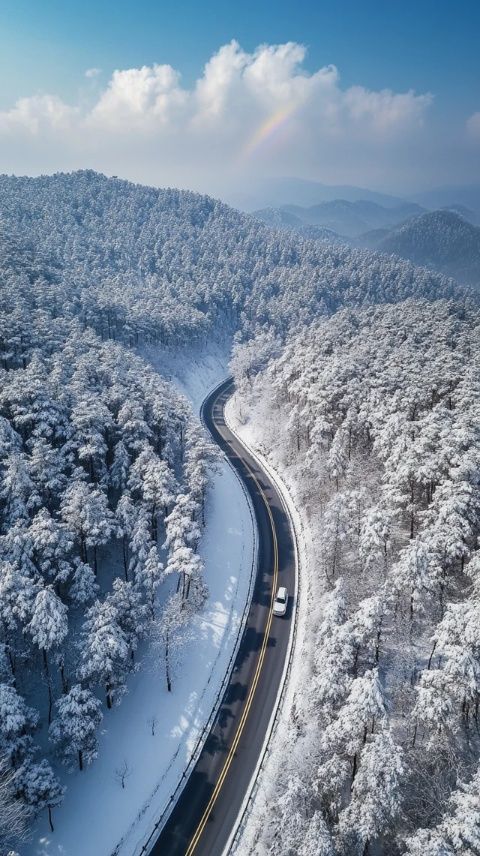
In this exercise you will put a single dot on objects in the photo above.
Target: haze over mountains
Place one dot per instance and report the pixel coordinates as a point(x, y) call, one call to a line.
point(446, 240)
point(278, 192)
point(349, 219)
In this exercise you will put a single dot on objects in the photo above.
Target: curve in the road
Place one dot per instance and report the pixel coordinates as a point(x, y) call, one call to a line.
point(207, 809)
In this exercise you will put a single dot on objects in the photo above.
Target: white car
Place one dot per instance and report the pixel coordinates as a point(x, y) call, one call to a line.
point(281, 600)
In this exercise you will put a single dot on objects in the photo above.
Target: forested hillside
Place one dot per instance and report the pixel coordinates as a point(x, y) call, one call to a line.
point(103, 467)
point(374, 414)
point(103, 478)
point(443, 240)
point(169, 265)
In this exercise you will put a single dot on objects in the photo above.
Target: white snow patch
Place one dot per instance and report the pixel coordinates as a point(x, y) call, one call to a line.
point(98, 817)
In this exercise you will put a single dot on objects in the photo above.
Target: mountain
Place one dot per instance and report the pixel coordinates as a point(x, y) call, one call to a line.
point(349, 219)
point(464, 212)
point(280, 218)
point(277, 192)
point(447, 197)
point(149, 263)
point(441, 240)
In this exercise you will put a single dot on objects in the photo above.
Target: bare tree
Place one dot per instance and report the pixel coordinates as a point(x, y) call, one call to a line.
point(152, 722)
point(14, 813)
point(122, 773)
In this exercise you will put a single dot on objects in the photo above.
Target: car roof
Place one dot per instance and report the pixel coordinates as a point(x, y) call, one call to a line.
point(281, 591)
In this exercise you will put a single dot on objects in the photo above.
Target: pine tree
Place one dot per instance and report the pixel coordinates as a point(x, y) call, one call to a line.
point(41, 789)
point(148, 577)
point(104, 650)
point(375, 798)
point(131, 612)
point(120, 466)
point(48, 627)
point(86, 512)
point(17, 722)
point(73, 729)
point(83, 586)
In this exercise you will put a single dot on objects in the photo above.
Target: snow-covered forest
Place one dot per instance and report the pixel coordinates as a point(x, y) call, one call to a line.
point(104, 470)
point(379, 413)
point(133, 262)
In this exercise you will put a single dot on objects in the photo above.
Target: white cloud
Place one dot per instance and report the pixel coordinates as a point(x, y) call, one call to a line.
point(92, 73)
point(254, 112)
point(36, 114)
point(148, 94)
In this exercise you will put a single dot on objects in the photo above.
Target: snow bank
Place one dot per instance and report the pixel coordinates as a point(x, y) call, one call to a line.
point(98, 816)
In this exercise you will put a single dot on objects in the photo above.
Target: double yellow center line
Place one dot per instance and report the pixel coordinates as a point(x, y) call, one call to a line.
point(201, 826)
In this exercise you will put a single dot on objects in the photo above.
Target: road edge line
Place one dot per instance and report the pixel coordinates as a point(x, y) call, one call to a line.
point(234, 839)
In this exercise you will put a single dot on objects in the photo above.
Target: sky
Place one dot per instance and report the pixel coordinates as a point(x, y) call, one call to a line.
point(379, 93)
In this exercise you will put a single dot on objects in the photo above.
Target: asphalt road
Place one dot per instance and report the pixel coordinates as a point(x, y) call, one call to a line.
point(205, 814)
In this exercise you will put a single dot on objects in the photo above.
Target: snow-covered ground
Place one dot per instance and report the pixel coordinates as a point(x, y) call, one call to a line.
point(98, 816)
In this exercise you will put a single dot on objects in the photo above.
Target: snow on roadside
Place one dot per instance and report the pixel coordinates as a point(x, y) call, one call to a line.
point(98, 816)
point(247, 422)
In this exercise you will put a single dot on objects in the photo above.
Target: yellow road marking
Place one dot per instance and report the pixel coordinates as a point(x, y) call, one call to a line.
point(253, 687)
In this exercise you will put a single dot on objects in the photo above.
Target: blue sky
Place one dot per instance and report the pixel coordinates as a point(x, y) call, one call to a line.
point(428, 46)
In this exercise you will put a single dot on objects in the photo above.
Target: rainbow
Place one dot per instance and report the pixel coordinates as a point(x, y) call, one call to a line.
point(268, 129)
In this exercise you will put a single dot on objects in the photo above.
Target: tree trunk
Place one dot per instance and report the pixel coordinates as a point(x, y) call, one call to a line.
point(377, 646)
point(355, 662)
point(167, 664)
point(49, 685)
point(63, 678)
point(50, 818)
point(431, 655)
point(354, 768)
point(80, 759)
point(83, 549)
point(11, 658)
point(125, 558)
point(412, 514)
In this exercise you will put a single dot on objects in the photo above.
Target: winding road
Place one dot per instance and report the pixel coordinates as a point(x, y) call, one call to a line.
point(204, 816)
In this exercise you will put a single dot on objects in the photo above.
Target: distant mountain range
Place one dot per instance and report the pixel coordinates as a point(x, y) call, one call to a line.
point(446, 240)
point(277, 192)
point(280, 218)
point(280, 192)
point(352, 219)
point(339, 218)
